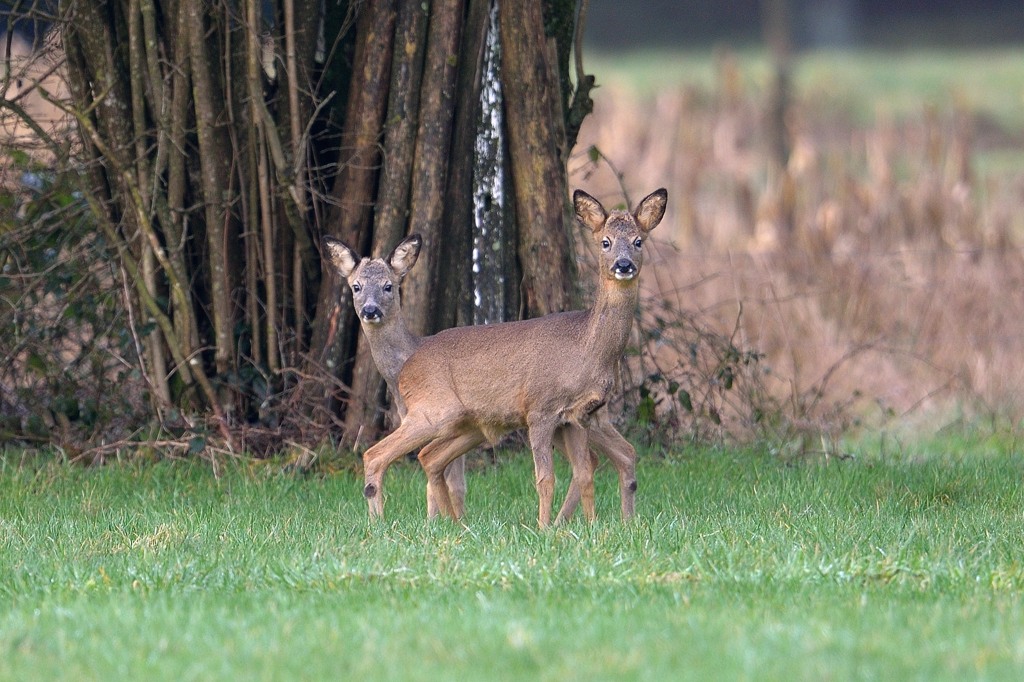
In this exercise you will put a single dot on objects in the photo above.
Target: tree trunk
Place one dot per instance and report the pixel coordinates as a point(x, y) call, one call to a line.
point(534, 114)
point(451, 270)
point(353, 197)
point(215, 168)
point(364, 409)
point(423, 290)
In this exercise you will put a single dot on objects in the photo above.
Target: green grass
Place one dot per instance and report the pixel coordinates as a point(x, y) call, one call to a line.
point(738, 566)
point(861, 83)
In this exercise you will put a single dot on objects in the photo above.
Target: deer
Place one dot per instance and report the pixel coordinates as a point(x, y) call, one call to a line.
point(375, 286)
point(552, 374)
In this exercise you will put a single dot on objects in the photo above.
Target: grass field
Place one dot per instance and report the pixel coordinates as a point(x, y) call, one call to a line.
point(739, 566)
point(860, 83)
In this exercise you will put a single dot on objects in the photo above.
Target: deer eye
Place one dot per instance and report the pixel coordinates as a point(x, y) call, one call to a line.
point(387, 287)
point(606, 243)
point(638, 243)
point(356, 288)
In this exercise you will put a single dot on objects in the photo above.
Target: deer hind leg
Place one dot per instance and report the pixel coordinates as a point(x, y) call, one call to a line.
point(436, 459)
point(407, 437)
point(607, 440)
point(455, 481)
point(572, 495)
point(573, 442)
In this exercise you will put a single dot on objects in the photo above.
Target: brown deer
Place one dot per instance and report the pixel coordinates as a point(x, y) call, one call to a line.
point(375, 287)
point(466, 385)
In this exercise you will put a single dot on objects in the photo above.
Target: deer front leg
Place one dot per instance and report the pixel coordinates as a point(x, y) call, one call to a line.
point(573, 440)
point(455, 482)
point(541, 434)
point(572, 495)
point(406, 438)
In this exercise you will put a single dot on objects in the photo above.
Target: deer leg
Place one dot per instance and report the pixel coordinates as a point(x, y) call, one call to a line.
point(431, 501)
point(607, 440)
point(406, 438)
point(574, 441)
point(541, 434)
point(436, 459)
point(455, 481)
point(572, 495)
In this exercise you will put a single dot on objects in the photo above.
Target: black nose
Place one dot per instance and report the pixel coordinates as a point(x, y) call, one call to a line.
point(371, 313)
point(624, 266)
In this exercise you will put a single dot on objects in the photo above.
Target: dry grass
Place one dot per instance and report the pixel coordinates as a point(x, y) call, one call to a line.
point(878, 273)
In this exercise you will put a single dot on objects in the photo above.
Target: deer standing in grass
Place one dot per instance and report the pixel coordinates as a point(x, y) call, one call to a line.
point(467, 385)
point(375, 285)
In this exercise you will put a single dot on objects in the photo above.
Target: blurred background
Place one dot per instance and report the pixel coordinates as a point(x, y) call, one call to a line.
point(616, 26)
point(846, 180)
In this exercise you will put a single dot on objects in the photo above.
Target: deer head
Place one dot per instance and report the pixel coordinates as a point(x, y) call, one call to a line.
point(620, 234)
point(374, 282)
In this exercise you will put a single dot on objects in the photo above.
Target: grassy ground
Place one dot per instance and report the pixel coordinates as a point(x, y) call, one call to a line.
point(738, 567)
point(861, 83)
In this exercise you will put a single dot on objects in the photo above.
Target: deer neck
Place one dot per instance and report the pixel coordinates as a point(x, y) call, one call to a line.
point(391, 344)
point(611, 319)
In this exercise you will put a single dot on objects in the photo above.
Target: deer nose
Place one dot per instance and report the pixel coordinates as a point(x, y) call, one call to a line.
point(624, 269)
point(371, 313)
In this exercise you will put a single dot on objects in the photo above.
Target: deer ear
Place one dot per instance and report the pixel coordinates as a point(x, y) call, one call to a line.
point(405, 254)
point(340, 256)
point(589, 211)
point(651, 210)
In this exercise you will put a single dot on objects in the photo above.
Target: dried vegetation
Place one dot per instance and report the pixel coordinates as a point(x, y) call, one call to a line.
point(874, 280)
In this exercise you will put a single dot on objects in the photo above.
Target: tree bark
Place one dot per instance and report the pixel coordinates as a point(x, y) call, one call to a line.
point(352, 197)
point(215, 167)
point(364, 409)
point(423, 290)
point(451, 266)
point(533, 113)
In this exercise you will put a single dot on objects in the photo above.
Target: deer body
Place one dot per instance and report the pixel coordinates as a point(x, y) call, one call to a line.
point(552, 375)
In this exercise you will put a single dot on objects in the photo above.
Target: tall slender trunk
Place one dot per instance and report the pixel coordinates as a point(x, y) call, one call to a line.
point(363, 412)
point(353, 197)
point(215, 167)
point(534, 115)
point(430, 169)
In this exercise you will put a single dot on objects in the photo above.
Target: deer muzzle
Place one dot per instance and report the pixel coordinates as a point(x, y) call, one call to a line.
point(624, 269)
point(371, 313)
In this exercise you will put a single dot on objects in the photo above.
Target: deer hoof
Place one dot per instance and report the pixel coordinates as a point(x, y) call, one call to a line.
point(370, 491)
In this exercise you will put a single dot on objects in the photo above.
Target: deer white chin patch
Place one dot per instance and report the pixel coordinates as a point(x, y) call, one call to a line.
point(625, 275)
point(372, 320)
